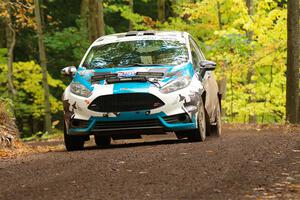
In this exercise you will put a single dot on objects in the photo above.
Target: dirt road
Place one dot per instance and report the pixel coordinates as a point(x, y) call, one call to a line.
point(239, 165)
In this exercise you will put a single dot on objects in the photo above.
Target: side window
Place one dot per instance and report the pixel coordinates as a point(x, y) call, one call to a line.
point(202, 57)
point(195, 54)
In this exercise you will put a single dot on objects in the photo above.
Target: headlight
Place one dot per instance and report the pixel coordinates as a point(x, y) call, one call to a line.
point(176, 84)
point(79, 89)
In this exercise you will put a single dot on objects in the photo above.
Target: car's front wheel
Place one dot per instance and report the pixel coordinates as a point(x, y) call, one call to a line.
point(72, 142)
point(102, 141)
point(199, 134)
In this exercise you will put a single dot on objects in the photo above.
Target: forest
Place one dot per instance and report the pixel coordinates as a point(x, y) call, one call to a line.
point(248, 39)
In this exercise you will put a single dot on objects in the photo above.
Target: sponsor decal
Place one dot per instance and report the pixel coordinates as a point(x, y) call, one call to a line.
point(68, 114)
point(126, 73)
point(181, 98)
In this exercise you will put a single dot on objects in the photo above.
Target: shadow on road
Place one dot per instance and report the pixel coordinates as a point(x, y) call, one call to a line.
point(138, 144)
point(58, 146)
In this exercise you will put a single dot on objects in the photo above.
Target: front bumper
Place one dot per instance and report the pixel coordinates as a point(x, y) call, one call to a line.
point(180, 103)
point(158, 123)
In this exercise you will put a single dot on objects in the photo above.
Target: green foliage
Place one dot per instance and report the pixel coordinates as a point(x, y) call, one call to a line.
point(253, 67)
point(68, 45)
point(29, 100)
point(3, 58)
point(40, 136)
point(138, 21)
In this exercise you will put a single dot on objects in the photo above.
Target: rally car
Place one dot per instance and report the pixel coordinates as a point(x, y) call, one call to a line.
point(136, 83)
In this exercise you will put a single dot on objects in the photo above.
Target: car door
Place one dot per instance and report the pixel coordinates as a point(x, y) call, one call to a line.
point(208, 80)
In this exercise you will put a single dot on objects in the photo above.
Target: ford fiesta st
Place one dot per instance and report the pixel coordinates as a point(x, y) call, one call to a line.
point(137, 83)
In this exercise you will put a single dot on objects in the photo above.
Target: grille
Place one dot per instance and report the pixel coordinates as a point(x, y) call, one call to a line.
point(135, 124)
point(125, 102)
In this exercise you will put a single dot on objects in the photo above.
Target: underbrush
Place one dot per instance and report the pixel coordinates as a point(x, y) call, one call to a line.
point(40, 136)
point(283, 128)
point(8, 129)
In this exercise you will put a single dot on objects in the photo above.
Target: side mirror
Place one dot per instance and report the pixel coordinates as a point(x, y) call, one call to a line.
point(207, 65)
point(69, 71)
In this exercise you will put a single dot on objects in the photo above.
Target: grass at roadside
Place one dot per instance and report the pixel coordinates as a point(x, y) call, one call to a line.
point(40, 136)
point(283, 128)
point(22, 149)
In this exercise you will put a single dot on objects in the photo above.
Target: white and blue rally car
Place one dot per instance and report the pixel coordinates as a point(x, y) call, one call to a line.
point(137, 83)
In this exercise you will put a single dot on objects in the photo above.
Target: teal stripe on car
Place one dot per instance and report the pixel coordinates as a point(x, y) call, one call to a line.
point(137, 115)
point(83, 81)
point(177, 126)
point(131, 87)
point(123, 116)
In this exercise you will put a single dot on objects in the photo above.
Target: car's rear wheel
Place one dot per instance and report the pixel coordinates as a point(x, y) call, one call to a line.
point(199, 134)
point(216, 129)
point(102, 141)
point(73, 143)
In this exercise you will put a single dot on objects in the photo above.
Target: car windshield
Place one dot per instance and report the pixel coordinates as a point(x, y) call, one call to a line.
point(137, 53)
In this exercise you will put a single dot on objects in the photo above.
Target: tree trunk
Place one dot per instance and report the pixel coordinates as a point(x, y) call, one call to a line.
point(219, 15)
point(3, 35)
point(96, 20)
point(161, 6)
point(250, 6)
point(43, 61)
point(100, 19)
point(298, 121)
point(11, 42)
point(131, 8)
point(223, 82)
point(83, 23)
point(84, 8)
point(249, 33)
point(292, 75)
point(91, 21)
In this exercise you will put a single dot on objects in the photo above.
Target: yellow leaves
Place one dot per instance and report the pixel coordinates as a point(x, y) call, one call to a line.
point(255, 69)
point(19, 12)
point(50, 18)
point(4, 14)
point(204, 12)
point(28, 83)
point(149, 22)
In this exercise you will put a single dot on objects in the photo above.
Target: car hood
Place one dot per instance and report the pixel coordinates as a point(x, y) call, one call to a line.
point(170, 73)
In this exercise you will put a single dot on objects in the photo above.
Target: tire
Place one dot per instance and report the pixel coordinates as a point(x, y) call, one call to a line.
point(208, 126)
point(73, 143)
point(199, 134)
point(102, 141)
point(216, 130)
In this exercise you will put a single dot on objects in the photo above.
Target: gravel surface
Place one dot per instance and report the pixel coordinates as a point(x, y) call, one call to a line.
point(238, 165)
